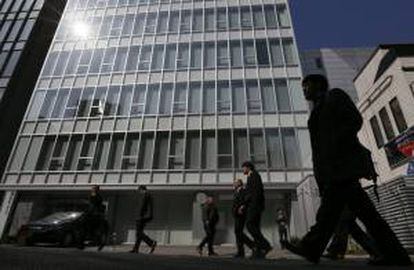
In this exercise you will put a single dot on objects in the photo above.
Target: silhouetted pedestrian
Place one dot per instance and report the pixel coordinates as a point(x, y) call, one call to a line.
point(145, 216)
point(282, 224)
point(210, 219)
point(240, 219)
point(347, 225)
point(339, 162)
point(94, 220)
point(253, 205)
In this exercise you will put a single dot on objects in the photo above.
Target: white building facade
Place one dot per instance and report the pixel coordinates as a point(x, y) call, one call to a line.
point(173, 94)
point(386, 100)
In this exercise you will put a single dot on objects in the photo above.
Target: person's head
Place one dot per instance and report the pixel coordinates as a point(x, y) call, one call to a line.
point(314, 86)
point(142, 189)
point(247, 167)
point(95, 189)
point(209, 200)
point(238, 183)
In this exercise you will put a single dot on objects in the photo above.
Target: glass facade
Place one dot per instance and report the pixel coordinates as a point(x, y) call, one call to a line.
point(17, 18)
point(166, 93)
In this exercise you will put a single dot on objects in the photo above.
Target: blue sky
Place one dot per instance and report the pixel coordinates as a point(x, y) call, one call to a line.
point(352, 23)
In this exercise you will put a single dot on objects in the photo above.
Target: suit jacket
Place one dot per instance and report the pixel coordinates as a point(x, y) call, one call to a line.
point(238, 200)
point(254, 197)
point(210, 214)
point(147, 205)
point(337, 154)
point(96, 206)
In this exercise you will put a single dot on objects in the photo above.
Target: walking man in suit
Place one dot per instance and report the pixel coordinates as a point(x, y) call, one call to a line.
point(210, 220)
point(240, 219)
point(145, 216)
point(253, 206)
point(339, 162)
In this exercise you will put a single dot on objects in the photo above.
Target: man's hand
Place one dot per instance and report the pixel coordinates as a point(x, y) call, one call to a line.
point(240, 210)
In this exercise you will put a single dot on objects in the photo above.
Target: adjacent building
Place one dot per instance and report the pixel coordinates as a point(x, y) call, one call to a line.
point(174, 94)
point(386, 97)
point(26, 31)
point(339, 65)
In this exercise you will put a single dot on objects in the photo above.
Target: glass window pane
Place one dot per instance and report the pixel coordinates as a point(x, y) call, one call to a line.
point(236, 55)
point(398, 115)
point(36, 105)
point(209, 55)
point(157, 57)
point(132, 60)
point(221, 19)
point(152, 99)
point(166, 99)
point(101, 152)
point(241, 153)
point(73, 62)
point(176, 159)
point(270, 16)
point(185, 25)
point(125, 100)
point(249, 54)
point(145, 58)
point(268, 96)
point(120, 59)
point(33, 154)
point(86, 155)
point(170, 56)
point(196, 55)
point(128, 24)
point(180, 98)
point(223, 97)
point(258, 18)
point(305, 148)
point(60, 103)
point(257, 150)
point(386, 123)
point(73, 103)
point(47, 104)
point(223, 59)
point(86, 102)
point(61, 63)
point(161, 150)
point(234, 20)
point(115, 152)
point(290, 148)
point(96, 61)
point(283, 102)
point(262, 52)
point(72, 156)
point(209, 20)
point(151, 23)
point(296, 92)
point(183, 55)
point(50, 64)
point(238, 97)
point(131, 152)
point(246, 18)
point(225, 156)
point(174, 22)
point(192, 159)
point(209, 97)
point(194, 105)
point(253, 97)
point(162, 23)
point(276, 52)
point(112, 100)
point(376, 130)
point(139, 25)
point(290, 52)
point(145, 151)
point(274, 149)
point(283, 16)
point(19, 154)
point(198, 20)
point(209, 153)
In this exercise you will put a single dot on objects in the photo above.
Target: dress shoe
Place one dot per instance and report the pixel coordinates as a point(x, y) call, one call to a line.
point(152, 248)
point(299, 250)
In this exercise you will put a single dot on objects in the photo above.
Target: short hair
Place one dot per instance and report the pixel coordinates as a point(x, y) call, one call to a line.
point(239, 180)
point(248, 164)
point(318, 78)
point(142, 188)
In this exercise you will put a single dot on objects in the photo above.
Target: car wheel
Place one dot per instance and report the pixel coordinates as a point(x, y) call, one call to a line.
point(67, 240)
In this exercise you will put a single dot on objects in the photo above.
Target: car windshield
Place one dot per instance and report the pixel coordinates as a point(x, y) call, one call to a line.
point(61, 216)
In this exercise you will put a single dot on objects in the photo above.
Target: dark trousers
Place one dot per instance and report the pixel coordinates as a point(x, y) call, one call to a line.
point(210, 230)
point(253, 221)
point(140, 235)
point(241, 238)
point(333, 202)
point(348, 226)
point(283, 235)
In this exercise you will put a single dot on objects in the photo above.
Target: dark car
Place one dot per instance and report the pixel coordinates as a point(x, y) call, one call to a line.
point(61, 228)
